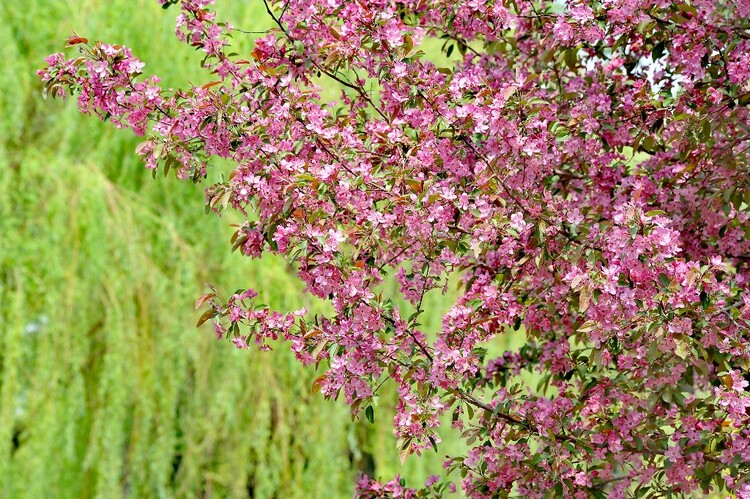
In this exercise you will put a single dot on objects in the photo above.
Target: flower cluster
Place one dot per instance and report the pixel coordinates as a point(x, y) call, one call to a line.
point(581, 169)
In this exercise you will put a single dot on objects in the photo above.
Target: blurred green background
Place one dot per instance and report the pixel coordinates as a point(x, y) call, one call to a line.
point(106, 387)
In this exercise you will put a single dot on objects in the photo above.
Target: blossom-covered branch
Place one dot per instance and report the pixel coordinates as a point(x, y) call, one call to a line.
point(582, 168)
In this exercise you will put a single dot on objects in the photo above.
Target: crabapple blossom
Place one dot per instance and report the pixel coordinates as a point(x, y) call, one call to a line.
point(581, 168)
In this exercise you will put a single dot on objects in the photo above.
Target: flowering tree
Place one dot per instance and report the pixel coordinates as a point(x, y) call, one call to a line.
point(582, 169)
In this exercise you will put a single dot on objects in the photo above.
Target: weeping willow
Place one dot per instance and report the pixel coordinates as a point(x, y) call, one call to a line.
point(107, 389)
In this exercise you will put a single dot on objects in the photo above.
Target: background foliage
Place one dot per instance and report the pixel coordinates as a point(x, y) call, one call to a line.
point(106, 387)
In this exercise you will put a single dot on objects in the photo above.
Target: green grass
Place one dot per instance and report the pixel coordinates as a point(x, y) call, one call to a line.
point(106, 387)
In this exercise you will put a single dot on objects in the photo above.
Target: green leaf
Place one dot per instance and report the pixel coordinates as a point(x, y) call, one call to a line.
point(705, 302)
point(664, 280)
point(433, 442)
point(370, 414)
point(657, 51)
point(571, 58)
point(587, 326)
